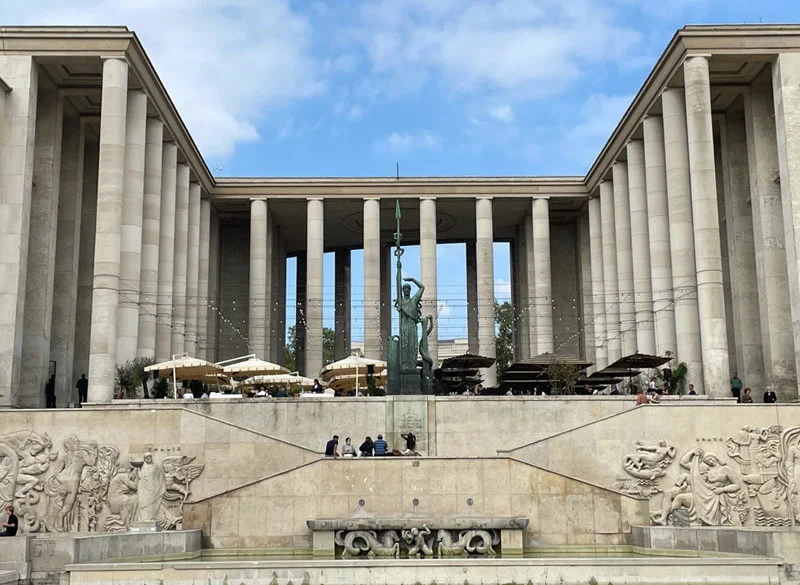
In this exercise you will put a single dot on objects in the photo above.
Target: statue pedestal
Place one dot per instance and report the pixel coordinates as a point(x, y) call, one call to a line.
point(145, 526)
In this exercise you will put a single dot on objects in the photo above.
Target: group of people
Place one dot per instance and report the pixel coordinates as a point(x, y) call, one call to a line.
point(369, 448)
point(744, 395)
point(50, 391)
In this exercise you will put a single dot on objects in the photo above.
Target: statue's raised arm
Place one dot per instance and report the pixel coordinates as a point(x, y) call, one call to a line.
point(420, 288)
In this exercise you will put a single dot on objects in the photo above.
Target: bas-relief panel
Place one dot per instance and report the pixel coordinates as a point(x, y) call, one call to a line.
point(83, 486)
point(751, 478)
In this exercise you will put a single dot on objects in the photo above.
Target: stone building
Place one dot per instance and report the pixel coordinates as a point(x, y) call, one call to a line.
point(118, 242)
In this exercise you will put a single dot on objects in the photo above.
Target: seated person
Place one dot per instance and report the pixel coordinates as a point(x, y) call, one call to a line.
point(11, 524)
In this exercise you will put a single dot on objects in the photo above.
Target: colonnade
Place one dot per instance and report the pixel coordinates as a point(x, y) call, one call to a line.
point(656, 227)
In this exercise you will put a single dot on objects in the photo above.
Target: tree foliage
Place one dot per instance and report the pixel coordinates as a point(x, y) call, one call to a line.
point(130, 376)
point(504, 336)
point(564, 376)
point(290, 351)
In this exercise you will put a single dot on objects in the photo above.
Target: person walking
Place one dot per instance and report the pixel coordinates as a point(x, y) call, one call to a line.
point(83, 389)
point(381, 447)
point(50, 392)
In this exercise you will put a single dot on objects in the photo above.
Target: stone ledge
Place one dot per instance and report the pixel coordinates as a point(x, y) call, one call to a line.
point(434, 523)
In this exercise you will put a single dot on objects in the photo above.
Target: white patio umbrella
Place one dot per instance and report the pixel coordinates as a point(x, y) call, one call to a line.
point(345, 382)
point(253, 367)
point(184, 367)
point(354, 365)
point(290, 379)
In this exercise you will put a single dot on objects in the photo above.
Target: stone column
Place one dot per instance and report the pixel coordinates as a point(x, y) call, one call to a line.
point(65, 284)
point(279, 298)
point(16, 174)
point(427, 260)
point(105, 295)
point(151, 220)
point(179, 269)
point(740, 209)
point(472, 299)
point(610, 281)
point(484, 254)
point(767, 236)
point(132, 213)
point(730, 331)
point(622, 229)
point(258, 277)
point(192, 268)
point(300, 315)
point(541, 275)
point(83, 310)
point(530, 270)
point(708, 255)
point(213, 287)
point(598, 283)
point(342, 303)
point(41, 249)
point(585, 288)
point(659, 240)
point(203, 351)
point(387, 310)
point(681, 226)
point(523, 341)
point(640, 246)
point(786, 95)
point(166, 252)
point(315, 250)
point(372, 278)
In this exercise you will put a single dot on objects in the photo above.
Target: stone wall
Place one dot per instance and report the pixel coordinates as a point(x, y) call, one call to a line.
point(272, 513)
point(85, 470)
point(724, 464)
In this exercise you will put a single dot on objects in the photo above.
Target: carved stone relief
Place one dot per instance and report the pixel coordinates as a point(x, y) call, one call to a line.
point(416, 542)
point(755, 482)
point(87, 488)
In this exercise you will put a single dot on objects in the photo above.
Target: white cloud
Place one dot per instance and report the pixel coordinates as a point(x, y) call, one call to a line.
point(502, 289)
point(404, 143)
point(355, 112)
point(223, 62)
point(444, 310)
point(598, 117)
point(503, 113)
point(521, 47)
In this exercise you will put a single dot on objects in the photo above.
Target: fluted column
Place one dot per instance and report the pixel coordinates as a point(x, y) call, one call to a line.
point(279, 298)
point(166, 252)
point(151, 218)
point(213, 286)
point(300, 315)
point(708, 253)
point(192, 269)
point(314, 256)
point(132, 221)
point(258, 276)
point(771, 282)
point(530, 270)
point(598, 283)
point(427, 259)
point(203, 351)
point(65, 283)
point(372, 278)
point(41, 245)
point(659, 239)
point(179, 269)
point(622, 228)
point(681, 227)
point(786, 95)
point(523, 341)
point(543, 283)
point(640, 246)
point(342, 303)
point(610, 281)
point(484, 248)
point(585, 288)
point(386, 308)
point(105, 295)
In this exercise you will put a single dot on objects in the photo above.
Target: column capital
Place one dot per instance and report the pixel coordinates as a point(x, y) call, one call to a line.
point(705, 56)
point(317, 198)
point(484, 197)
point(430, 198)
point(542, 197)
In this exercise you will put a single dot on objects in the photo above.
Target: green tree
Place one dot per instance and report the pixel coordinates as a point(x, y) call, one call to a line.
point(564, 376)
point(504, 338)
point(328, 349)
point(131, 375)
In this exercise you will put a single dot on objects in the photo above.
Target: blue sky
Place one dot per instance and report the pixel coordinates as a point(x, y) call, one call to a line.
point(442, 87)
